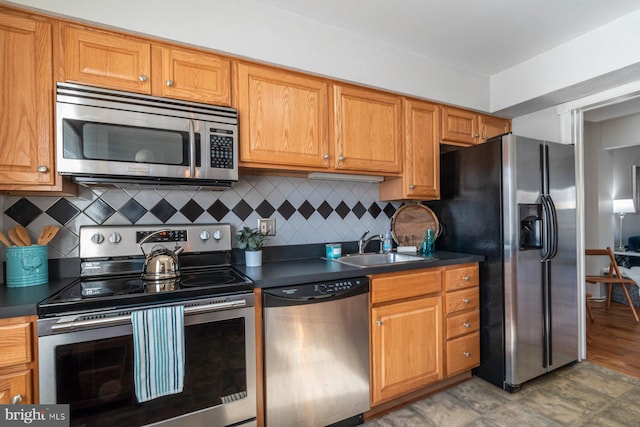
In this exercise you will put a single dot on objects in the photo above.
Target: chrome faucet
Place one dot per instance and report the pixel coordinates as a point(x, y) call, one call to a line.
point(362, 242)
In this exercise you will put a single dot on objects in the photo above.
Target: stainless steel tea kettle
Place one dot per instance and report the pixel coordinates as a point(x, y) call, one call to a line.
point(161, 263)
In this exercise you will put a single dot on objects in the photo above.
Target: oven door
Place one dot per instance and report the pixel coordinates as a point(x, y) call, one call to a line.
point(92, 370)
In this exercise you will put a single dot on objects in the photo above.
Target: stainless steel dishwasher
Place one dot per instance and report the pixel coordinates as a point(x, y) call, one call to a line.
point(317, 353)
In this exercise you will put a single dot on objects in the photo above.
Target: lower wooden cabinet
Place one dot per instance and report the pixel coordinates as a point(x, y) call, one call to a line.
point(463, 353)
point(406, 332)
point(16, 388)
point(18, 361)
point(407, 346)
point(424, 329)
point(462, 306)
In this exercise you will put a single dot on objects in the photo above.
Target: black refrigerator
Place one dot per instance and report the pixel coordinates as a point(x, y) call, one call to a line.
point(512, 199)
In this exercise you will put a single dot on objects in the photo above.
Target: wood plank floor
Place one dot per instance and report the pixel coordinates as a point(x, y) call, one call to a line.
point(613, 339)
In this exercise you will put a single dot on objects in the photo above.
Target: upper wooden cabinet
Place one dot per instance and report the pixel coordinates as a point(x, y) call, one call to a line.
point(491, 126)
point(106, 59)
point(26, 105)
point(462, 127)
point(421, 176)
point(191, 75)
point(284, 118)
point(367, 130)
point(121, 62)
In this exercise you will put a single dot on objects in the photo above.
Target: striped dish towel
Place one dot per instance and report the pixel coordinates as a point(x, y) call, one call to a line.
point(158, 351)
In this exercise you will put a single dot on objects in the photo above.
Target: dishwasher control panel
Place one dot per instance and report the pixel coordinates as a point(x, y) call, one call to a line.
point(321, 289)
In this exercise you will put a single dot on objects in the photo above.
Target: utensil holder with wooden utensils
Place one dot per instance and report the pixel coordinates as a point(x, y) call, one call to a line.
point(27, 263)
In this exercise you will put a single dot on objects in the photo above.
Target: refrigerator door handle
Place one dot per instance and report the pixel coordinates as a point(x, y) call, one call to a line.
point(546, 231)
point(550, 233)
point(554, 227)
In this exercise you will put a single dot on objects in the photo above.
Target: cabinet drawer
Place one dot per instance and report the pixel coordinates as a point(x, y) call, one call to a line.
point(462, 324)
point(15, 344)
point(461, 278)
point(16, 386)
point(463, 353)
point(401, 286)
point(465, 299)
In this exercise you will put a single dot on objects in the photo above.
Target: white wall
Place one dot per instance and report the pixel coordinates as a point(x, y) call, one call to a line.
point(544, 125)
point(621, 132)
point(605, 50)
point(599, 193)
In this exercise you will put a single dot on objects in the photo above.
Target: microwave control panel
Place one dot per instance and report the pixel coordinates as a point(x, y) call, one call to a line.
point(221, 149)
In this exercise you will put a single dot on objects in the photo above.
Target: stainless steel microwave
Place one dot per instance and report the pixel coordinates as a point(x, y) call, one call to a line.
point(111, 137)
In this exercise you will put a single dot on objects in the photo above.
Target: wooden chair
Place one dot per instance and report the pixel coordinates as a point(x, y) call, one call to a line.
point(612, 278)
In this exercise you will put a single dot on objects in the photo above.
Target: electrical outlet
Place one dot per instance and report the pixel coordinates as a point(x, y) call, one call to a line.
point(267, 226)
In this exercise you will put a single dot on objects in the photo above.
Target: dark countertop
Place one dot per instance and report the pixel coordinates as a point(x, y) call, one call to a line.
point(285, 273)
point(23, 301)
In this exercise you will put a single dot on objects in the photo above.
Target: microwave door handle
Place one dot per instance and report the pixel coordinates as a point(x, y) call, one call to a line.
point(192, 150)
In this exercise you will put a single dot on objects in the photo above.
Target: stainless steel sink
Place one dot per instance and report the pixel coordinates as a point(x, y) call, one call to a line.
point(375, 259)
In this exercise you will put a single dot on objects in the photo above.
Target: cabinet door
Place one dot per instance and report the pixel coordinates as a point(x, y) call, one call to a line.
point(16, 388)
point(463, 353)
point(422, 145)
point(459, 126)
point(26, 103)
point(421, 175)
point(406, 342)
point(193, 76)
point(285, 118)
point(105, 59)
point(492, 126)
point(15, 343)
point(367, 130)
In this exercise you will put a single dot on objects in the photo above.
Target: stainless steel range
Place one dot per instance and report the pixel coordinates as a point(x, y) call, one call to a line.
point(85, 333)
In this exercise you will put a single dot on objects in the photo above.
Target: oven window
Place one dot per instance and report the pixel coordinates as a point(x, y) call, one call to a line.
point(100, 141)
point(96, 377)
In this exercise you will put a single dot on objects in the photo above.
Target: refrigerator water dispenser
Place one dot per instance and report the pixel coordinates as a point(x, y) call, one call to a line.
point(530, 226)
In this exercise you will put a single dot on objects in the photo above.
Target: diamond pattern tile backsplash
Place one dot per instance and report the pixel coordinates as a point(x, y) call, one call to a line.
point(305, 211)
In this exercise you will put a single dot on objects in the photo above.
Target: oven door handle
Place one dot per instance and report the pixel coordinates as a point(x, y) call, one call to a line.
point(117, 320)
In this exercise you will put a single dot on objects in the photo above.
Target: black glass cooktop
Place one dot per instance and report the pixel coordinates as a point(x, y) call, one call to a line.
point(130, 290)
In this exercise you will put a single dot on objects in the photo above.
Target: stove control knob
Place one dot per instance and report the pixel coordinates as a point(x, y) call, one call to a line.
point(97, 238)
point(115, 238)
point(217, 235)
point(205, 235)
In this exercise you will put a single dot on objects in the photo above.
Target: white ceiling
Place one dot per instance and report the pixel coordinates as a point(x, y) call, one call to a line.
point(480, 36)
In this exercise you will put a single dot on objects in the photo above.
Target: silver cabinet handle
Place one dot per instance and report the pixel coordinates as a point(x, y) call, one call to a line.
point(466, 278)
point(412, 186)
point(476, 135)
point(466, 300)
point(467, 325)
point(192, 150)
point(341, 158)
point(142, 78)
point(16, 399)
point(467, 354)
point(43, 169)
point(169, 82)
point(379, 322)
point(326, 156)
